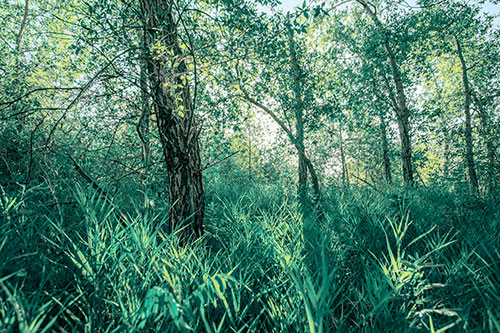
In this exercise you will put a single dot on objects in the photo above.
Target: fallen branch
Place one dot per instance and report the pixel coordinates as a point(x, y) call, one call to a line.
point(367, 183)
point(85, 176)
point(121, 217)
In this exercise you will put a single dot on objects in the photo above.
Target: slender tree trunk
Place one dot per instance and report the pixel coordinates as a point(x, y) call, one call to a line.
point(386, 160)
point(403, 116)
point(444, 128)
point(345, 175)
point(295, 73)
point(385, 149)
point(17, 61)
point(469, 153)
point(446, 148)
point(402, 111)
point(144, 122)
point(21, 29)
point(249, 154)
point(300, 151)
point(305, 163)
point(175, 118)
point(143, 132)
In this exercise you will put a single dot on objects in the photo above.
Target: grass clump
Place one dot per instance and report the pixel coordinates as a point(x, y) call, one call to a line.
point(419, 260)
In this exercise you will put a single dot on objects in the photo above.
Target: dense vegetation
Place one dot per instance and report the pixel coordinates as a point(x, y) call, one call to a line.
point(224, 166)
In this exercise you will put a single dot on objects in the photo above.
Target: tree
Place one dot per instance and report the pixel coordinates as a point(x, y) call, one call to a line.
point(455, 29)
point(282, 51)
point(402, 111)
point(168, 69)
point(469, 154)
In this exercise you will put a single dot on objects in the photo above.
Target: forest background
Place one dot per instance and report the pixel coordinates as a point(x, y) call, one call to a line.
point(237, 165)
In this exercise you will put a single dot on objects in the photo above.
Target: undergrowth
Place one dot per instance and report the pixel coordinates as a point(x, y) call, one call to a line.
point(395, 260)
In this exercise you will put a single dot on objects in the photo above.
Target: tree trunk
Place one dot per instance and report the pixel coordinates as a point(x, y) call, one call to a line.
point(403, 118)
point(305, 163)
point(469, 153)
point(249, 154)
point(444, 128)
point(295, 73)
point(175, 118)
point(302, 185)
point(446, 148)
point(300, 151)
point(21, 29)
point(385, 149)
point(315, 183)
point(144, 123)
point(404, 135)
point(345, 175)
point(402, 111)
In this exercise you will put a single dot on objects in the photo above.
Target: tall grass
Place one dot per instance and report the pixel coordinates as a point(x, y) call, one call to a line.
point(413, 260)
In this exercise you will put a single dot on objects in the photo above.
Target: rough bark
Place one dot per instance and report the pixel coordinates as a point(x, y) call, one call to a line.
point(177, 127)
point(469, 153)
point(402, 111)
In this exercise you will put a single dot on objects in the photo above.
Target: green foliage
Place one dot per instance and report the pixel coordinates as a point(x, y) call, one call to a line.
point(399, 260)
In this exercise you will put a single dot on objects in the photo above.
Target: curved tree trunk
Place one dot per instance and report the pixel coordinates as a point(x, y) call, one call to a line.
point(302, 155)
point(175, 118)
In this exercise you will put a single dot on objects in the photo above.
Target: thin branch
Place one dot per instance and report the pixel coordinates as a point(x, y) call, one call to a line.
point(80, 93)
point(209, 165)
point(269, 112)
point(8, 103)
point(367, 183)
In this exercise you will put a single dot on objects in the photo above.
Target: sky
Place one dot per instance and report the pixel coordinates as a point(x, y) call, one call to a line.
point(287, 5)
point(489, 7)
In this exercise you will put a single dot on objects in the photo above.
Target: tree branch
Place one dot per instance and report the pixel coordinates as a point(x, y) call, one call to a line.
point(23, 25)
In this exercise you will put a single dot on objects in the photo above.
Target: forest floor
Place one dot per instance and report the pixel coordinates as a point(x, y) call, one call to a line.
point(422, 259)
